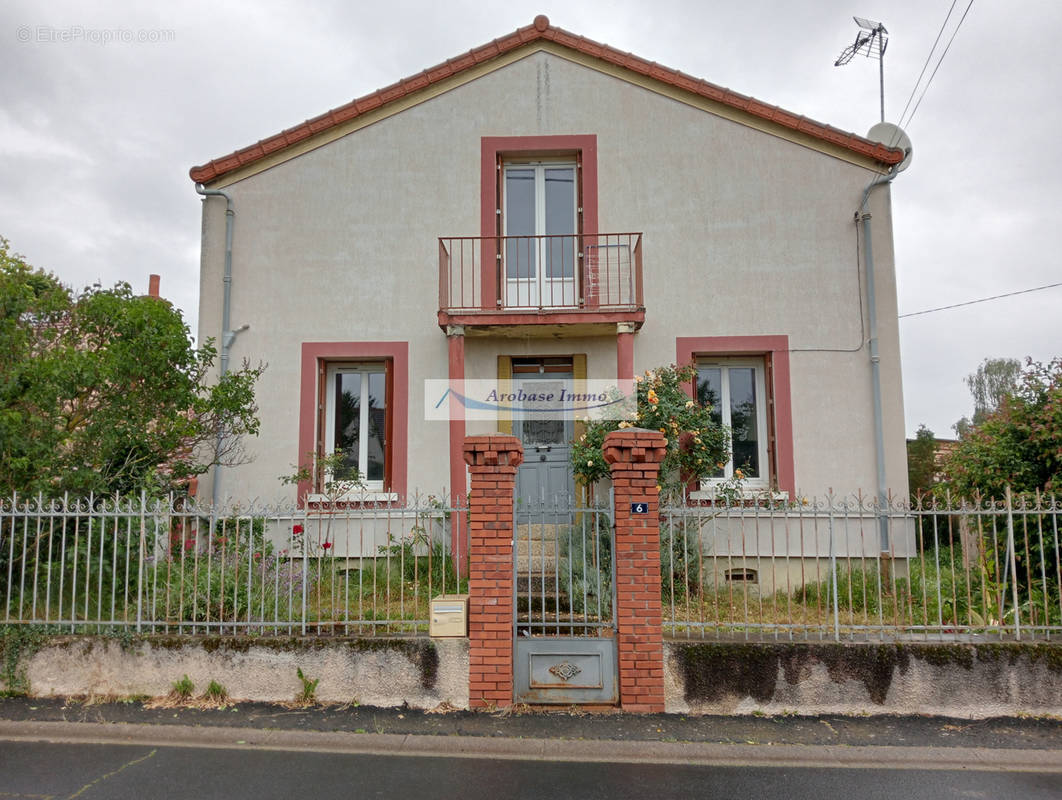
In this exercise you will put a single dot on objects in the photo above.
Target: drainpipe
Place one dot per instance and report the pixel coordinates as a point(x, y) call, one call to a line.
point(863, 216)
point(227, 334)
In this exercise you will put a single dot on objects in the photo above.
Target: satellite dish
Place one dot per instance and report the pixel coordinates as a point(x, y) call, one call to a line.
point(893, 136)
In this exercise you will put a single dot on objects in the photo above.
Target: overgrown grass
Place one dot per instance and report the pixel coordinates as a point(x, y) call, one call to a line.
point(939, 591)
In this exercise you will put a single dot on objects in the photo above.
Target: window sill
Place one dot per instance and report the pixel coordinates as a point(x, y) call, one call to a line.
point(709, 494)
point(367, 497)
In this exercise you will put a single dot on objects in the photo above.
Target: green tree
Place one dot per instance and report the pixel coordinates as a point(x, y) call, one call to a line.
point(102, 391)
point(1020, 444)
point(921, 462)
point(697, 446)
point(994, 380)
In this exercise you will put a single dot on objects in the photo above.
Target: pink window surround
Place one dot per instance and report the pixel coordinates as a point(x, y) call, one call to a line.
point(776, 350)
point(314, 356)
point(493, 147)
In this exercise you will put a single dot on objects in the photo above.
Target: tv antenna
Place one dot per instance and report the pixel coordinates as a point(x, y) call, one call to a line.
point(871, 42)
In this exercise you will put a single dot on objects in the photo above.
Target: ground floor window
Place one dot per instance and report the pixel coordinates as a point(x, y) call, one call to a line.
point(735, 389)
point(354, 400)
point(356, 422)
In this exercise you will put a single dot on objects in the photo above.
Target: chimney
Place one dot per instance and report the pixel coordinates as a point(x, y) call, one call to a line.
point(153, 285)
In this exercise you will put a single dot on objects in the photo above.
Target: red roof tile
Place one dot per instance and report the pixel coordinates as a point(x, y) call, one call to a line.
point(541, 29)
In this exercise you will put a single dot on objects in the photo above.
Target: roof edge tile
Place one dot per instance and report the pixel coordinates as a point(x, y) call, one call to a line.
point(540, 29)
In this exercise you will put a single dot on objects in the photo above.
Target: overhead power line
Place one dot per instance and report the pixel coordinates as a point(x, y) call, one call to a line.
point(940, 61)
point(980, 300)
point(929, 58)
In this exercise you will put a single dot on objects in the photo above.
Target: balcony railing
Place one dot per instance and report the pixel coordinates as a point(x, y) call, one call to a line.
point(544, 274)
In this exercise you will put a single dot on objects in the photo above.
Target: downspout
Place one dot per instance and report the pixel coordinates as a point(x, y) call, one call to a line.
point(227, 334)
point(863, 215)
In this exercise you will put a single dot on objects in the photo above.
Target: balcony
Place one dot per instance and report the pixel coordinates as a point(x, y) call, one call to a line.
point(541, 285)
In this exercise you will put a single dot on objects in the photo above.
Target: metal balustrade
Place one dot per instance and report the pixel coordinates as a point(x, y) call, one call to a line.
point(590, 272)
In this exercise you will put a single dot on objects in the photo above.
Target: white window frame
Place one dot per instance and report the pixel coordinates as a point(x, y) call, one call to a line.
point(759, 377)
point(536, 287)
point(364, 369)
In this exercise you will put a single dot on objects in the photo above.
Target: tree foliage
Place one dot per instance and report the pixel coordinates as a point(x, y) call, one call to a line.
point(994, 380)
point(1020, 444)
point(921, 462)
point(697, 446)
point(102, 391)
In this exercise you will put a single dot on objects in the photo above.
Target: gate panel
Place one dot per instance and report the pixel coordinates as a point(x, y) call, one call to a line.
point(565, 670)
point(564, 605)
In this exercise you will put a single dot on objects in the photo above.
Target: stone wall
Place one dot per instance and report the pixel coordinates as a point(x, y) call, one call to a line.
point(959, 680)
point(421, 673)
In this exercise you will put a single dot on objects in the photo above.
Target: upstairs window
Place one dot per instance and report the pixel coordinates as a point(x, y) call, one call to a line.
point(539, 221)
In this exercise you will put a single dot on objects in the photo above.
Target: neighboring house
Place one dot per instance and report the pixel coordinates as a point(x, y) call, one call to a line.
point(651, 218)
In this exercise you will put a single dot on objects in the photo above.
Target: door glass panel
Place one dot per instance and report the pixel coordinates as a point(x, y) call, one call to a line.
point(520, 221)
point(542, 430)
point(743, 420)
point(347, 423)
point(560, 221)
point(374, 469)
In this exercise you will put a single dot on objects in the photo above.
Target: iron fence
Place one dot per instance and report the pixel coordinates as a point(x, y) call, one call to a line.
point(856, 569)
point(815, 569)
point(355, 567)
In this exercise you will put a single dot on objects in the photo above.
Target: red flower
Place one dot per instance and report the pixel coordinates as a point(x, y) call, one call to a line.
point(189, 542)
point(326, 545)
point(296, 530)
point(257, 556)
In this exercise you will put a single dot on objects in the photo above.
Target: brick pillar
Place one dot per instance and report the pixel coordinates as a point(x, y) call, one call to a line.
point(492, 461)
point(634, 456)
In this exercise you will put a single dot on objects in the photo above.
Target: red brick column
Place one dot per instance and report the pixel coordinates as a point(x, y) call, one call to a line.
point(492, 461)
point(634, 455)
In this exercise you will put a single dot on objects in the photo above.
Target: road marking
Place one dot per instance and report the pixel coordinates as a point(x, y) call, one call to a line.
point(102, 778)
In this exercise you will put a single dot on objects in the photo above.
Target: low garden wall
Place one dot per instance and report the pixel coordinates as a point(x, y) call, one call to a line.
point(418, 672)
point(950, 679)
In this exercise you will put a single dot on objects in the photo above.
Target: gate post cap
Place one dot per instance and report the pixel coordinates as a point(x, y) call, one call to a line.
point(493, 450)
point(635, 445)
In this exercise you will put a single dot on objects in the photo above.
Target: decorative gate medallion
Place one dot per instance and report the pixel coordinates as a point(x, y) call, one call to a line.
point(565, 671)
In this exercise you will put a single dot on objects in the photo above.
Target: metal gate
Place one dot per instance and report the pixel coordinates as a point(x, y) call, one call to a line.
point(564, 607)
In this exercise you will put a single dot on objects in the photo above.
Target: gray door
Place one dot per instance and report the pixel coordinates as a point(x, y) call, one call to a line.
point(545, 478)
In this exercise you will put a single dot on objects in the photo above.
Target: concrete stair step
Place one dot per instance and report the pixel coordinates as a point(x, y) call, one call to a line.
point(537, 548)
point(537, 586)
point(538, 566)
point(537, 531)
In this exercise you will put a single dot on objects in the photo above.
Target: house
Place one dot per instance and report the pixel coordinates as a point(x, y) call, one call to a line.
point(545, 207)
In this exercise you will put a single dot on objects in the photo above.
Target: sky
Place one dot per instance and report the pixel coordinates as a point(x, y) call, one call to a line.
point(105, 106)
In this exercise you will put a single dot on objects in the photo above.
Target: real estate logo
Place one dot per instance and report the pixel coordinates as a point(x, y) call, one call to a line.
point(529, 397)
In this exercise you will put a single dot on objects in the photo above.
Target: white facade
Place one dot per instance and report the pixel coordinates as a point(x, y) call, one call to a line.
point(747, 231)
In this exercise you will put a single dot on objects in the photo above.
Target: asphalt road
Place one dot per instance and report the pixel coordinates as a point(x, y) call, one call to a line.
point(136, 772)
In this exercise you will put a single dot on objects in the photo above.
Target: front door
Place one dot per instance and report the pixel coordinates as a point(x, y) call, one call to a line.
point(545, 478)
point(540, 229)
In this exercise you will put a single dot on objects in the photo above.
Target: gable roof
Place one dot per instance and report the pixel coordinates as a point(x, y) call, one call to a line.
point(541, 30)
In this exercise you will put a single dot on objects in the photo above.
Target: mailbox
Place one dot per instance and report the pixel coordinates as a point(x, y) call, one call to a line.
point(449, 615)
